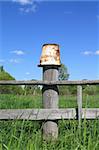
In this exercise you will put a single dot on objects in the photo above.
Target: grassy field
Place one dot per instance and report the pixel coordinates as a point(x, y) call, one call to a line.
point(30, 101)
point(27, 135)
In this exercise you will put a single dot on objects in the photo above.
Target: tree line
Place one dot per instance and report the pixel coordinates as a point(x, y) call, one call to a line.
point(35, 89)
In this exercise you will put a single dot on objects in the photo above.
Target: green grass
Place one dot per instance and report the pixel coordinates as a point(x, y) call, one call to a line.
point(27, 135)
point(20, 101)
point(70, 101)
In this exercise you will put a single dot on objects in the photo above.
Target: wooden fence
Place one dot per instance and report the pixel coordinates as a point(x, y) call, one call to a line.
point(52, 114)
point(50, 98)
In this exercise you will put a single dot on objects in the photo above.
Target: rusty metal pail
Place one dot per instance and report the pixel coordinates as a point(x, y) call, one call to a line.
point(50, 55)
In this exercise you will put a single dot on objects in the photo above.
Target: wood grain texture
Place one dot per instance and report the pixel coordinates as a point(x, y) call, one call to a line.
point(38, 114)
point(79, 102)
point(47, 114)
point(90, 113)
point(82, 82)
point(50, 96)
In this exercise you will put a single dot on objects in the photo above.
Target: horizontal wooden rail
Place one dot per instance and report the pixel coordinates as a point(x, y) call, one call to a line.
point(47, 114)
point(64, 82)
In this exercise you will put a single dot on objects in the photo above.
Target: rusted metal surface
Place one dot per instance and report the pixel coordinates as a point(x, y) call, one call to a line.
point(50, 55)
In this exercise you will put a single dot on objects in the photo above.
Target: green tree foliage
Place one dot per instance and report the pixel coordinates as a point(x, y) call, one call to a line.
point(32, 89)
point(63, 73)
point(91, 89)
point(72, 90)
point(8, 89)
point(1, 68)
point(4, 75)
point(16, 89)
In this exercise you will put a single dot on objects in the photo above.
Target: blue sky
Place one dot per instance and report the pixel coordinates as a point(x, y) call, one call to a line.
point(25, 25)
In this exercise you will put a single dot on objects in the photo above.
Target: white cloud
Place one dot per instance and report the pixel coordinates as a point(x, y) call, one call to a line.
point(16, 61)
point(18, 52)
point(97, 52)
point(24, 2)
point(27, 6)
point(87, 53)
point(91, 52)
point(33, 8)
point(27, 73)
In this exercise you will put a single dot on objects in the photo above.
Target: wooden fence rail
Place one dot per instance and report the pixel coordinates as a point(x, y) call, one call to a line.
point(60, 83)
point(48, 114)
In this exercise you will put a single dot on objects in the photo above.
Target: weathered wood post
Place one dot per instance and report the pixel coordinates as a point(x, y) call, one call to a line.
point(79, 101)
point(50, 61)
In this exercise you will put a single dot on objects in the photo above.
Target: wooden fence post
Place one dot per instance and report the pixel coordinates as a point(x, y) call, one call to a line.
point(79, 101)
point(50, 100)
point(50, 61)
